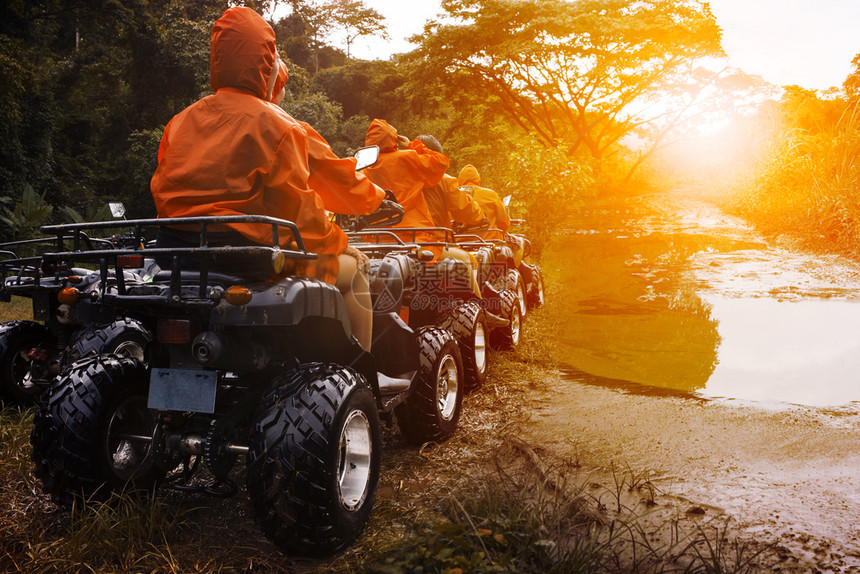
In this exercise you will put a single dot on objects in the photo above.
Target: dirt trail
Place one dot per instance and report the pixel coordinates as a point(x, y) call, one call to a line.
point(739, 416)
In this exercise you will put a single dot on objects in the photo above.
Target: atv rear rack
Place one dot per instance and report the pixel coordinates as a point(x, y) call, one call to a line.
point(112, 262)
point(23, 275)
point(386, 235)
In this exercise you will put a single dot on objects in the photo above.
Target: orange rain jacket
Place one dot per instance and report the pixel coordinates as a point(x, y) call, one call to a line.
point(234, 153)
point(406, 173)
point(446, 201)
point(487, 199)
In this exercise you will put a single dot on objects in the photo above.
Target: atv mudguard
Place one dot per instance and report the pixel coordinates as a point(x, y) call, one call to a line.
point(285, 303)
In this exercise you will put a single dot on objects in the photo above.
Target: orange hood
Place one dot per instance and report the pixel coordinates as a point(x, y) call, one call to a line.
point(242, 52)
point(382, 134)
point(281, 80)
point(469, 176)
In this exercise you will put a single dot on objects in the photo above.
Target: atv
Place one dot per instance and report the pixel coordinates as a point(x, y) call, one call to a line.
point(259, 365)
point(65, 326)
point(407, 279)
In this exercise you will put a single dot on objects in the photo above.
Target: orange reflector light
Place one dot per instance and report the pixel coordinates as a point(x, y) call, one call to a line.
point(238, 295)
point(129, 261)
point(278, 261)
point(174, 331)
point(68, 296)
point(75, 279)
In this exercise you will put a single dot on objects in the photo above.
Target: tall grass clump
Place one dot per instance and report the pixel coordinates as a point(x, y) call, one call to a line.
point(808, 182)
point(529, 515)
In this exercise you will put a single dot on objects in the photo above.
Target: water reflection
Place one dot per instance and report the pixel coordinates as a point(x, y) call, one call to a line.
point(626, 312)
point(688, 299)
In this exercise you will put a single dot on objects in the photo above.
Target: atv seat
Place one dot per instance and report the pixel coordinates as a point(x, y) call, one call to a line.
point(235, 268)
point(193, 278)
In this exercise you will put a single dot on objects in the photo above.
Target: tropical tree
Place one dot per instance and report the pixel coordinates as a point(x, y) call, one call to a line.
point(581, 73)
point(851, 85)
point(354, 19)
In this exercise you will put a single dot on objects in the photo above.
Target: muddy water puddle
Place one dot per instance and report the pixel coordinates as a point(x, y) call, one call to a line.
point(671, 295)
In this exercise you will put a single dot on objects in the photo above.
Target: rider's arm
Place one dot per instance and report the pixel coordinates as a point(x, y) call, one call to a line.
point(461, 207)
point(342, 189)
point(426, 164)
point(503, 221)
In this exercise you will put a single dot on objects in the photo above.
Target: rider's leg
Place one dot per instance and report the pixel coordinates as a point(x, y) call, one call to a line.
point(518, 250)
point(468, 259)
point(352, 283)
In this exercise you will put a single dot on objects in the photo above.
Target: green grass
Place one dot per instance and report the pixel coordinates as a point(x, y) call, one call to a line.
point(18, 308)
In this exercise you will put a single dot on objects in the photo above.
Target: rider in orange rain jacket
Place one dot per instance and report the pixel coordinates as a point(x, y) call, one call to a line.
point(488, 199)
point(406, 172)
point(236, 152)
point(445, 200)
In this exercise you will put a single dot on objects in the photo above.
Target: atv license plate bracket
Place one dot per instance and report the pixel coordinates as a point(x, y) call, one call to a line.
point(191, 390)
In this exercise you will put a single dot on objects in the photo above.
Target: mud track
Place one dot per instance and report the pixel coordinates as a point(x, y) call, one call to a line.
point(715, 362)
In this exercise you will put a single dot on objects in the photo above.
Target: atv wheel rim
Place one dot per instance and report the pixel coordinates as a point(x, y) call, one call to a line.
point(480, 348)
point(521, 298)
point(447, 387)
point(354, 460)
point(128, 440)
point(129, 349)
point(515, 328)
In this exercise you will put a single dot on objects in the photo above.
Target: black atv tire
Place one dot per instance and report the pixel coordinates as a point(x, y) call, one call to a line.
point(536, 295)
point(468, 324)
point(432, 410)
point(17, 338)
point(516, 284)
point(125, 337)
point(508, 337)
point(77, 451)
point(314, 458)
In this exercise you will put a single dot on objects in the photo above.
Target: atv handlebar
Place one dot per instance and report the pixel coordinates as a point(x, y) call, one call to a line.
point(387, 214)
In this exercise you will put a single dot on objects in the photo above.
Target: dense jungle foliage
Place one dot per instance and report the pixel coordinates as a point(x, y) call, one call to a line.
point(552, 100)
point(86, 87)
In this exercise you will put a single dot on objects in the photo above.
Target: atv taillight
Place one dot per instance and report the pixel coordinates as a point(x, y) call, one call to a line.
point(68, 296)
point(174, 331)
point(129, 261)
point(238, 295)
point(75, 279)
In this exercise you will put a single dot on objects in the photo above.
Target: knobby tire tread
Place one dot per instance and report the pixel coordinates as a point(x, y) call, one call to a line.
point(287, 471)
point(97, 339)
point(418, 416)
point(67, 427)
point(461, 322)
point(503, 338)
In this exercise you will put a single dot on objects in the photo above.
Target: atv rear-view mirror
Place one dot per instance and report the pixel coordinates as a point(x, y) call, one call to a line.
point(117, 209)
point(366, 157)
